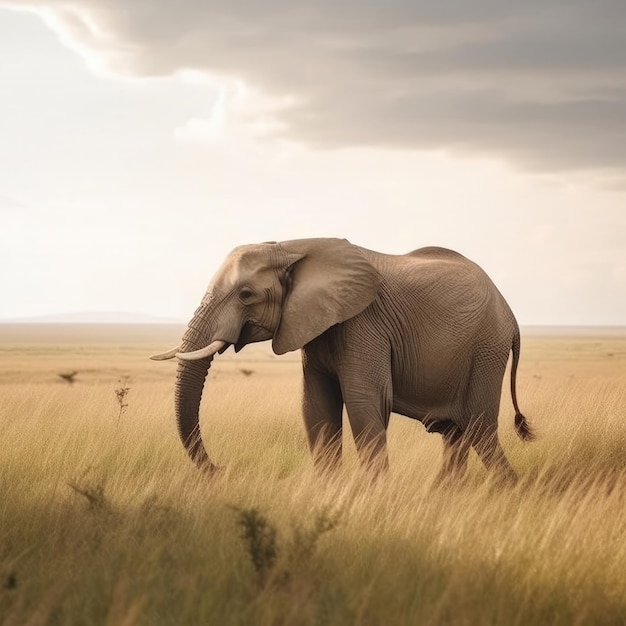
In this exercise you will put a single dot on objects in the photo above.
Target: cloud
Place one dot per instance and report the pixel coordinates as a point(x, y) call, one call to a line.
point(238, 119)
point(542, 84)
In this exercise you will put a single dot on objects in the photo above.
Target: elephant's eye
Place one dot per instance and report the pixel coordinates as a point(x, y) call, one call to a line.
point(245, 294)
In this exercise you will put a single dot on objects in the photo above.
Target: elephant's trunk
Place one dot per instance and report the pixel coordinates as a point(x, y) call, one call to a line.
point(189, 384)
point(188, 393)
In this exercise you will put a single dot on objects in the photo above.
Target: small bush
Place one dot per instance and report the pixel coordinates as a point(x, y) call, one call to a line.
point(259, 537)
point(261, 542)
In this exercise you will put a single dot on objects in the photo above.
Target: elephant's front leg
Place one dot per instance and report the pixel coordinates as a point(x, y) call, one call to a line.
point(322, 410)
point(368, 402)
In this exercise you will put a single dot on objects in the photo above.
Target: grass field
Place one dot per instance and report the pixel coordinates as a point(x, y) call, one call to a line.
point(104, 520)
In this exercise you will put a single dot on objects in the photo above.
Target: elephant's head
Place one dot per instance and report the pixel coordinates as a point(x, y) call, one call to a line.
point(290, 292)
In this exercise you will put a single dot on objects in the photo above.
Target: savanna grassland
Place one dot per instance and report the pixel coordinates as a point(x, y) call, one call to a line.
point(104, 520)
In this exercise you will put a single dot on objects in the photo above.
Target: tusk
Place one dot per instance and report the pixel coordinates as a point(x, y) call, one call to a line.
point(204, 353)
point(170, 354)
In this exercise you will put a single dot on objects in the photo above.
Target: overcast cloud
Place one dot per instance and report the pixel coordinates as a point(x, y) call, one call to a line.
point(125, 194)
point(541, 84)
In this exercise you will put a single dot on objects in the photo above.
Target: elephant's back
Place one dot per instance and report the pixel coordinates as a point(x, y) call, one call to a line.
point(435, 263)
point(440, 285)
point(435, 252)
point(445, 289)
point(447, 269)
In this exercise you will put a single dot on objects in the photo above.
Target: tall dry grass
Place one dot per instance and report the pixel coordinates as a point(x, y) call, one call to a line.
point(103, 520)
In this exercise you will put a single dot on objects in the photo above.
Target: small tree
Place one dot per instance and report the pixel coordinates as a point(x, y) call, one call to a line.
point(121, 393)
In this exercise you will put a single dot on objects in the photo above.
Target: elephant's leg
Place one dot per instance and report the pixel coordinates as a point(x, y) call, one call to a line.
point(456, 448)
point(484, 436)
point(369, 410)
point(482, 409)
point(322, 410)
point(370, 437)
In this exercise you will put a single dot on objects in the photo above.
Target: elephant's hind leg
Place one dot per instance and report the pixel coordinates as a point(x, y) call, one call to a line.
point(455, 453)
point(483, 405)
point(484, 438)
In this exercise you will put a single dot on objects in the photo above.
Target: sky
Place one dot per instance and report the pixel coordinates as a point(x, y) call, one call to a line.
point(141, 141)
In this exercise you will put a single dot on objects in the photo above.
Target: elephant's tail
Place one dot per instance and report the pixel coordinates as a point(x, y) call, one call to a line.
point(522, 427)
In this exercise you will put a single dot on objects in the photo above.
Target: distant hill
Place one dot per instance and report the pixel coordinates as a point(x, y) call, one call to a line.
point(127, 317)
point(94, 317)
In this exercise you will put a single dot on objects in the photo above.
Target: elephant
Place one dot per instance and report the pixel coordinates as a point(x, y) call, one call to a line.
point(426, 335)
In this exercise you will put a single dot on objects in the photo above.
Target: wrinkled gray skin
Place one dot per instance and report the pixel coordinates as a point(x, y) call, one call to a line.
point(426, 335)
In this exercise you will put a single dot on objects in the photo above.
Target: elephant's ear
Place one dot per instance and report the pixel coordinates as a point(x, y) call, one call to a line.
point(330, 283)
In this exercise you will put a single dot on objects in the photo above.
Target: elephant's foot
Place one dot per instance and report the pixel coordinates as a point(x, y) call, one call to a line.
point(503, 475)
